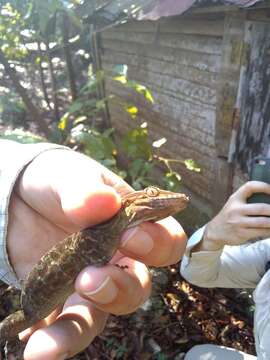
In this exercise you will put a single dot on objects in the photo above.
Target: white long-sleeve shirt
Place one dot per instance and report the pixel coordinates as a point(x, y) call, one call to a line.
point(14, 157)
point(235, 267)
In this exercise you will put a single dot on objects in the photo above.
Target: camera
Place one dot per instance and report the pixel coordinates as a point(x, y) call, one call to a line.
point(260, 171)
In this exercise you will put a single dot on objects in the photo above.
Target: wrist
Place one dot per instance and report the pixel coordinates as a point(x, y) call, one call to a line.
point(209, 241)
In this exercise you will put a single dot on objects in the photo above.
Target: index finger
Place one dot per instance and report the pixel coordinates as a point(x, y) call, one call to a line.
point(251, 187)
point(155, 244)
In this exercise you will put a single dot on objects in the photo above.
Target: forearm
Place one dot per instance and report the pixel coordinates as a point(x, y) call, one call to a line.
point(230, 266)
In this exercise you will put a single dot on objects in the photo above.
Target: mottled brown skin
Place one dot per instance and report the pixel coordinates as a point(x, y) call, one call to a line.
point(51, 280)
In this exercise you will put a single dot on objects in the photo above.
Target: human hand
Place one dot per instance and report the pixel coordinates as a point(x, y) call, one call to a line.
point(239, 221)
point(59, 193)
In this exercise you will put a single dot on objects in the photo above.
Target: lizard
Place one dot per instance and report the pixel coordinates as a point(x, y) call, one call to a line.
point(51, 280)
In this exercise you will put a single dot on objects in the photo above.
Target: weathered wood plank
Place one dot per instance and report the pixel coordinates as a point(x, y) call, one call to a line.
point(201, 61)
point(175, 25)
point(254, 131)
point(259, 15)
point(192, 138)
point(232, 57)
point(214, 9)
point(180, 63)
point(211, 28)
point(174, 70)
point(179, 89)
point(131, 37)
point(229, 78)
point(134, 25)
point(190, 114)
point(222, 185)
point(198, 44)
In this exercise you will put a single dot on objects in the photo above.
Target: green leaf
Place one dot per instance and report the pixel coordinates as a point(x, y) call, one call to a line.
point(95, 144)
point(79, 120)
point(21, 136)
point(139, 171)
point(38, 60)
point(62, 125)
point(141, 89)
point(94, 80)
point(191, 165)
point(132, 110)
point(172, 180)
point(76, 106)
point(75, 20)
point(121, 78)
point(120, 69)
point(100, 104)
point(135, 144)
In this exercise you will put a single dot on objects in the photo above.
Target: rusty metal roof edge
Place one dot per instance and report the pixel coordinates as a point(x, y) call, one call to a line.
point(198, 8)
point(226, 8)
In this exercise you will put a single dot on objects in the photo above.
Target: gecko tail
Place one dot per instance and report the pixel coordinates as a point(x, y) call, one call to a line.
point(12, 325)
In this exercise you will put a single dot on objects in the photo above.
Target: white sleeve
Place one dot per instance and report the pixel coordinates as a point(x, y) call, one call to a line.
point(233, 267)
point(14, 157)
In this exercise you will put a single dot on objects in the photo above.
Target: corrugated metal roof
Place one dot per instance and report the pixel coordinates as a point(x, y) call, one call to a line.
point(108, 13)
point(163, 8)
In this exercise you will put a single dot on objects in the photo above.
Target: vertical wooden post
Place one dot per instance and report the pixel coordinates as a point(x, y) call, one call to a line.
point(97, 66)
point(233, 44)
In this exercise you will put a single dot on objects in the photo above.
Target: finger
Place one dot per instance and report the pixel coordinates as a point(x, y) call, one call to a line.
point(251, 187)
point(24, 335)
point(155, 244)
point(256, 209)
point(114, 289)
point(257, 222)
point(113, 180)
point(65, 187)
point(253, 234)
point(79, 321)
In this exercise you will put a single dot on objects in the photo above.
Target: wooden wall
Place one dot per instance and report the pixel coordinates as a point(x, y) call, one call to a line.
point(179, 60)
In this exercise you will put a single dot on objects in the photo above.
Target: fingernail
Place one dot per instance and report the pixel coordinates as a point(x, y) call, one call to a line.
point(105, 293)
point(137, 241)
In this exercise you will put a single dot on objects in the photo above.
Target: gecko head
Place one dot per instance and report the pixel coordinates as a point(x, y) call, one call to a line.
point(153, 204)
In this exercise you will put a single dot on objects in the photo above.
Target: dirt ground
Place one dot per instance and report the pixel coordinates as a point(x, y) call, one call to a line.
point(177, 317)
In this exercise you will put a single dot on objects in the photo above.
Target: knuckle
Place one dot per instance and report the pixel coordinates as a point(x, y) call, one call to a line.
point(263, 209)
point(233, 215)
point(250, 185)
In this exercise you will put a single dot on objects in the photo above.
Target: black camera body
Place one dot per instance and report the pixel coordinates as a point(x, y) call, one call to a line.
point(260, 171)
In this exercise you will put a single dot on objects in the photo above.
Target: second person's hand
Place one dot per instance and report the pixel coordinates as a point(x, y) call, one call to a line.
point(238, 221)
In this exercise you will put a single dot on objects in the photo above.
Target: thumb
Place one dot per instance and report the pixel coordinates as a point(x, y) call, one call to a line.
point(80, 187)
point(90, 203)
point(69, 189)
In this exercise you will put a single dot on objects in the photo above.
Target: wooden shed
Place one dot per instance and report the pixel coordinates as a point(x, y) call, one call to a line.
point(209, 72)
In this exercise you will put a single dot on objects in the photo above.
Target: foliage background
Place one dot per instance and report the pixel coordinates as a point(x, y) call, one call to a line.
point(52, 89)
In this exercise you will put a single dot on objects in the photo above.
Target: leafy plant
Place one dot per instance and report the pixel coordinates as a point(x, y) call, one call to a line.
point(12, 109)
point(161, 356)
point(120, 349)
point(21, 136)
point(32, 34)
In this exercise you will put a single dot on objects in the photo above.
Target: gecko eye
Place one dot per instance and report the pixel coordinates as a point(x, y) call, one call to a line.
point(152, 191)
